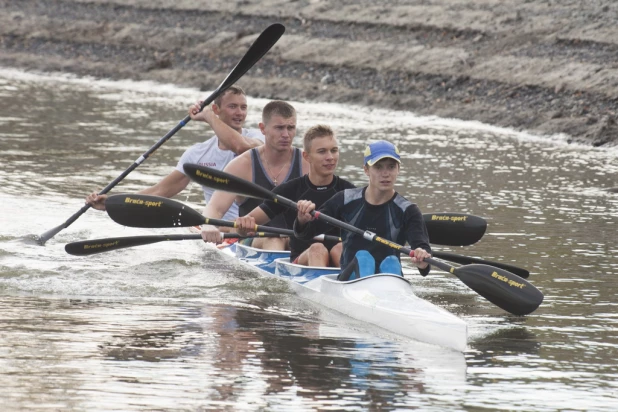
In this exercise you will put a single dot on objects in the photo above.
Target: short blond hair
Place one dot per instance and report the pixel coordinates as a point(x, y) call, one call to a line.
point(319, 130)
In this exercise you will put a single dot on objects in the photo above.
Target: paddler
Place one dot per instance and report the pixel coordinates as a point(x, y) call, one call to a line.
point(321, 151)
point(377, 208)
point(226, 116)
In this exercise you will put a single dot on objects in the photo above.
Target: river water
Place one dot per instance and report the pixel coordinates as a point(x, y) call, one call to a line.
point(174, 326)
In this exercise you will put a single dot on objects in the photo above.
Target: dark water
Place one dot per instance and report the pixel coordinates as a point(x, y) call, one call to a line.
point(175, 326)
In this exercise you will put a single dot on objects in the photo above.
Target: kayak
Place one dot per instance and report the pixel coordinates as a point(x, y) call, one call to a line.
point(384, 300)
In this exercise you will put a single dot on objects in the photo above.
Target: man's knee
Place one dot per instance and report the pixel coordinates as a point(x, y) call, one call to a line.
point(317, 249)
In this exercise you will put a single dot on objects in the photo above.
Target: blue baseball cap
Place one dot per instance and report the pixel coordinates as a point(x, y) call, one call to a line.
point(380, 150)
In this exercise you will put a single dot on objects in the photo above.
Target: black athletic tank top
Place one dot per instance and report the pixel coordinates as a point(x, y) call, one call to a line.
point(261, 178)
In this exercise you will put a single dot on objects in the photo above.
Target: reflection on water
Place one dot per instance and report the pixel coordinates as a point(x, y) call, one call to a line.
point(175, 326)
point(105, 353)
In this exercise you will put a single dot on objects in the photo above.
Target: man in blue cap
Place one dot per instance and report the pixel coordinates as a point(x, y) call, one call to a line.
point(377, 208)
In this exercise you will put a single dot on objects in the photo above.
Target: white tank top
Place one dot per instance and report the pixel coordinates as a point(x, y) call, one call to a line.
point(208, 154)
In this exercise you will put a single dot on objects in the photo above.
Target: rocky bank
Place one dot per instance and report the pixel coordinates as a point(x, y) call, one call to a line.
point(547, 66)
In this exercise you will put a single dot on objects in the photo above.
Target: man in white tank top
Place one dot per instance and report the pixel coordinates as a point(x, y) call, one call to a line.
point(210, 153)
point(226, 116)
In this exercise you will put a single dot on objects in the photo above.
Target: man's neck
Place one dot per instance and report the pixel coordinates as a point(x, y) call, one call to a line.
point(276, 157)
point(374, 196)
point(320, 180)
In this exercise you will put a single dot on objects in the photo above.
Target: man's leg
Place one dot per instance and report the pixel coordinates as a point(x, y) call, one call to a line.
point(335, 255)
point(315, 255)
point(271, 243)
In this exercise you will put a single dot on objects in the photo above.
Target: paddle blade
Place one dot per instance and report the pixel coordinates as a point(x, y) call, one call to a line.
point(265, 41)
point(151, 211)
point(502, 288)
point(91, 247)
point(454, 229)
point(219, 180)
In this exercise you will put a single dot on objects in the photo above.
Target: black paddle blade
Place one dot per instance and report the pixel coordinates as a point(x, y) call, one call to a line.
point(151, 211)
point(90, 247)
point(219, 180)
point(454, 229)
point(502, 288)
point(265, 41)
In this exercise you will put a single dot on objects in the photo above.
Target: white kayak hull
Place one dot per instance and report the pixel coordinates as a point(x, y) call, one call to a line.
point(384, 300)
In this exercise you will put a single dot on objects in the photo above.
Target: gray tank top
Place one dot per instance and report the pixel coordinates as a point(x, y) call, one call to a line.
point(261, 178)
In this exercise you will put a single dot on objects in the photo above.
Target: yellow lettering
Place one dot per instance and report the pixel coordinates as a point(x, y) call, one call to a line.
point(133, 201)
point(499, 277)
point(211, 177)
point(153, 204)
point(516, 284)
point(451, 218)
point(101, 245)
point(505, 279)
point(387, 242)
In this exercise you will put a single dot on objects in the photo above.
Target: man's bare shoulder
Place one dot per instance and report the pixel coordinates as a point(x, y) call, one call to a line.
point(241, 166)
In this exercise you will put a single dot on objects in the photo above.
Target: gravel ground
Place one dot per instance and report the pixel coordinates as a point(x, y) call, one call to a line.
point(544, 66)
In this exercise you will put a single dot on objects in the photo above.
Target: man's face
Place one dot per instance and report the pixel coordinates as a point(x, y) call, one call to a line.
point(323, 155)
point(383, 174)
point(279, 132)
point(233, 110)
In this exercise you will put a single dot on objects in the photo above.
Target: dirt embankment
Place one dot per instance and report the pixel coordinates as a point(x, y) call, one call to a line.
point(549, 66)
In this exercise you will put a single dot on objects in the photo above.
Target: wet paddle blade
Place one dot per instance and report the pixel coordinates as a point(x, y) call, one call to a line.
point(151, 212)
point(502, 288)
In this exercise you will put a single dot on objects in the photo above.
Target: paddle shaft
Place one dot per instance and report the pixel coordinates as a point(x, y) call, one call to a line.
point(46, 236)
point(259, 48)
point(466, 260)
point(268, 229)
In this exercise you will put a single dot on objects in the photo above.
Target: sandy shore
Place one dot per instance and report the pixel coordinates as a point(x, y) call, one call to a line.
point(547, 66)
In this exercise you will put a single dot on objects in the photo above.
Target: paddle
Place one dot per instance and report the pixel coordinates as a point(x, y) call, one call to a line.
point(503, 288)
point(465, 260)
point(259, 48)
point(93, 246)
point(157, 212)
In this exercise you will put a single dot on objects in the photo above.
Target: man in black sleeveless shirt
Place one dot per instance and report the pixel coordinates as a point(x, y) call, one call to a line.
point(377, 208)
point(321, 150)
point(275, 162)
